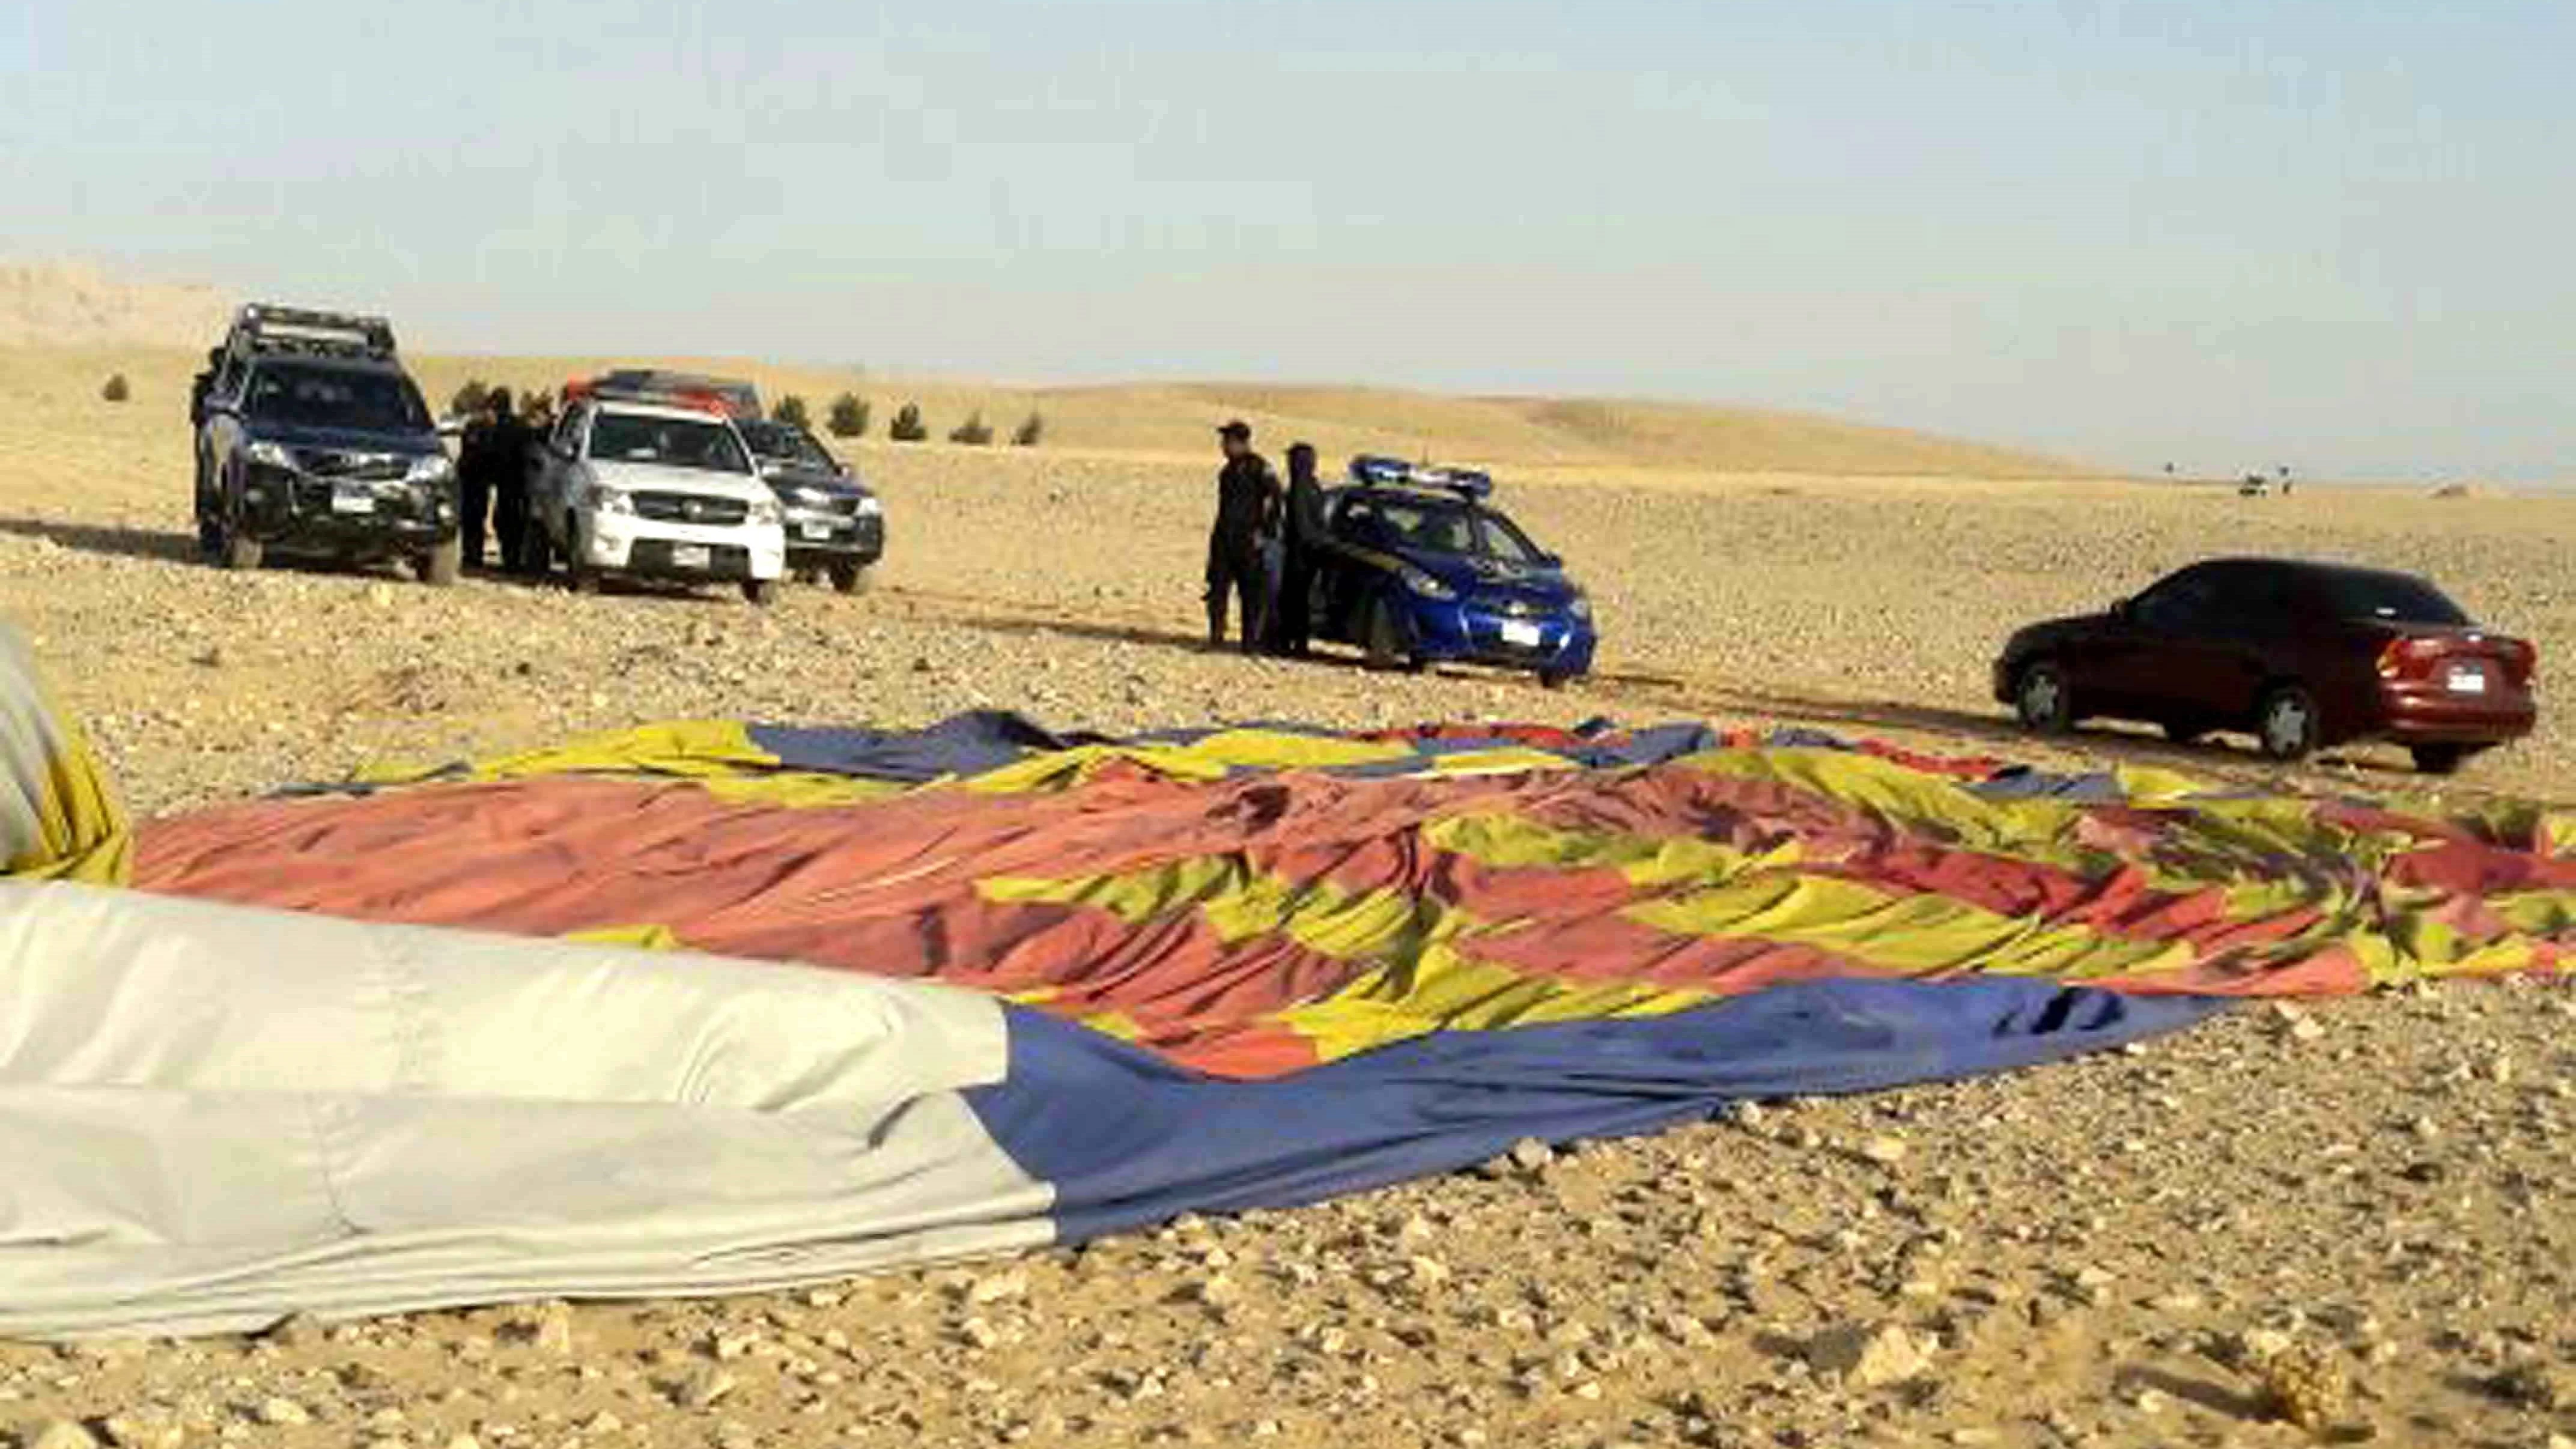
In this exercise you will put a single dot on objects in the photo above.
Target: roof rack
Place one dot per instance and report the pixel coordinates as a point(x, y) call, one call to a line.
point(1384, 472)
point(268, 327)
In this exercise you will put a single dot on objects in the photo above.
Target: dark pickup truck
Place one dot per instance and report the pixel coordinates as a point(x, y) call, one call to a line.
point(312, 440)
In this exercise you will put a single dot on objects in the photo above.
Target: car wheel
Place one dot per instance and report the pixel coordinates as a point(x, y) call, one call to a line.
point(1555, 678)
point(850, 578)
point(2043, 700)
point(1385, 645)
point(439, 567)
point(763, 592)
point(2442, 759)
point(2286, 723)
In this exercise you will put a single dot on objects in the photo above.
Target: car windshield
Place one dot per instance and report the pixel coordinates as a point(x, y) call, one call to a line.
point(305, 395)
point(1448, 528)
point(671, 442)
point(2393, 597)
point(779, 442)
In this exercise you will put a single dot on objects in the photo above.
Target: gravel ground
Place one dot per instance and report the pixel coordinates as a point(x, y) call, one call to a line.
point(2350, 1225)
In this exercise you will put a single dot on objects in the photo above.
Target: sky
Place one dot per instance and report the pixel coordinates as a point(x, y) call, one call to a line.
point(2225, 234)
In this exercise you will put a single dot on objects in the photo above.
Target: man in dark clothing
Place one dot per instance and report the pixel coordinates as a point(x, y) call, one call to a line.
point(1307, 544)
point(478, 464)
point(1247, 509)
point(509, 443)
point(202, 384)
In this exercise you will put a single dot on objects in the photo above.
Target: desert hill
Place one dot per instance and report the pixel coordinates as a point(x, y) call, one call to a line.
point(71, 304)
point(154, 333)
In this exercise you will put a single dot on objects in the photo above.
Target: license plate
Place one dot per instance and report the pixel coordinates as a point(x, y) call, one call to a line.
point(1524, 634)
point(353, 500)
point(815, 530)
point(690, 556)
point(2468, 681)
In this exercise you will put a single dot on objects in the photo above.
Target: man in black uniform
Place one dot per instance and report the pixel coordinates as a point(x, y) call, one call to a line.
point(202, 384)
point(509, 443)
point(1306, 546)
point(1247, 506)
point(479, 461)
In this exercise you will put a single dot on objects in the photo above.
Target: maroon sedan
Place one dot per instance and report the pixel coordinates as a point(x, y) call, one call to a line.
point(2300, 655)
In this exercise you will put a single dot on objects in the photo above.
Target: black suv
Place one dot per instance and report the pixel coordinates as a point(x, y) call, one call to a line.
point(312, 440)
point(835, 523)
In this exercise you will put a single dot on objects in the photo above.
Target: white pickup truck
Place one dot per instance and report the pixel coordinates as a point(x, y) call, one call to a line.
point(648, 489)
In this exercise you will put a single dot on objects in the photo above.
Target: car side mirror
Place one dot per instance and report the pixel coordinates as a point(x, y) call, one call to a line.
point(843, 469)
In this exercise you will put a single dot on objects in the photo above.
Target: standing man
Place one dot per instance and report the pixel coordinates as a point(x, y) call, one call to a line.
point(1247, 507)
point(474, 477)
point(1304, 531)
point(509, 443)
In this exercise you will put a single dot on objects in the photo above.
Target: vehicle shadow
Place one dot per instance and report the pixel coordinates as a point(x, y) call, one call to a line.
point(120, 541)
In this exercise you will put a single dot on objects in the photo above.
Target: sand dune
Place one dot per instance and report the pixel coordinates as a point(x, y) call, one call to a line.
point(1561, 436)
point(72, 304)
point(155, 333)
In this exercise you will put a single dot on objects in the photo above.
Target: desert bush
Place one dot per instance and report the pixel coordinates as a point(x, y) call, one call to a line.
point(116, 390)
point(789, 410)
point(469, 399)
point(1030, 431)
point(907, 426)
point(974, 432)
point(849, 416)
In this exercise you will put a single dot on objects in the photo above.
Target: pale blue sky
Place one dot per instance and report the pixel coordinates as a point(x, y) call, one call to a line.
point(2229, 233)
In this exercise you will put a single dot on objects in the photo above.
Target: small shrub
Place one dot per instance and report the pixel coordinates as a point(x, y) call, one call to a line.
point(116, 390)
point(849, 417)
point(907, 426)
point(1029, 432)
point(974, 432)
point(789, 410)
point(470, 398)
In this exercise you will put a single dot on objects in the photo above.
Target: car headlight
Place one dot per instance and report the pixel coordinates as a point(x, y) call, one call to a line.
point(430, 468)
point(1424, 584)
point(1580, 606)
point(765, 513)
point(604, 499)
point(273, 455)
point(869, 507)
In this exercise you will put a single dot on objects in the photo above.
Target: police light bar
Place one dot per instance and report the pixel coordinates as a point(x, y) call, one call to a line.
point(597, 389)
point(1397, 473)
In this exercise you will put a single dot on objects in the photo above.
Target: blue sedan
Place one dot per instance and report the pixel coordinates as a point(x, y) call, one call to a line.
point(1424, 570)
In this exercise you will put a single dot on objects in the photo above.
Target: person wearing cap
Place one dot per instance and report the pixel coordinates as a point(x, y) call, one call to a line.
point(1247, 510)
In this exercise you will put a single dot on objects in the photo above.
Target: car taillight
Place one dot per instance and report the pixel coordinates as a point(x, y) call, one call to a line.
point(2521, 660)
point(2404, 656)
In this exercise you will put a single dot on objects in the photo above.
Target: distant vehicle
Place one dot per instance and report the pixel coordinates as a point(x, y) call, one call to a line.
point(312, 440)
point(835, 523)
point(737, 400)
point(656, 489)
point(1428, 571)
point(2300, 655)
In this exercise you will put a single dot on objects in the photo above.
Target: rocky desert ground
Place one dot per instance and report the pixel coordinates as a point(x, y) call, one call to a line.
point(2352, 1224)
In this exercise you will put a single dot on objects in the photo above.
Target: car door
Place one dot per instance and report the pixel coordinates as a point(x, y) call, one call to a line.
point(1341, 580)
point(555, 463)
point(2220, 668)
point(2149, 658)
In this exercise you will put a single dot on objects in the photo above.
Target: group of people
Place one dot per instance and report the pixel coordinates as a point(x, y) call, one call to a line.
point(1264, 548)
point(492, 465)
